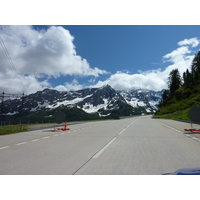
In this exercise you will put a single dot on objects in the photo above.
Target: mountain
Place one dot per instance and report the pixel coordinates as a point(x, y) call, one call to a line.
point(146, 99)
point(99, 102)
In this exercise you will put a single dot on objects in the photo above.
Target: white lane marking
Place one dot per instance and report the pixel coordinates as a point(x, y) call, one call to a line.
point(104, 148)
point(171, 128)
point(126, 128)
point(21, 143)
point(107, 145)
point(45, 137)
point(194, 138)
point(35, 140)
point(121, 131)
point(5, 147)
point(55, 135)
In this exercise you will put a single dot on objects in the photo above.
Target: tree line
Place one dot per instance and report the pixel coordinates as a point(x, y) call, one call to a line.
point(180, 88)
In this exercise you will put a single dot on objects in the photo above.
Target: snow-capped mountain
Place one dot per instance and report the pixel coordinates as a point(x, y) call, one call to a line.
point(104, 101)
point(147, 99)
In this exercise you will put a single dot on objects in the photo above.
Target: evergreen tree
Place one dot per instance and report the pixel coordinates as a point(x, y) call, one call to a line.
point(174, 81)
point(184, 77)
point(196, 68)
point(165, 98)
point(165, 95)
point(187, 78)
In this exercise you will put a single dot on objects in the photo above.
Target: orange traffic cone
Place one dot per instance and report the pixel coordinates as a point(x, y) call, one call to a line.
point(65, 127)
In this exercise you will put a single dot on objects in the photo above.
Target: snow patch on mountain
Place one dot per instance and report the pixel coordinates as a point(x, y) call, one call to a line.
point(89, 108)
point(67, 102)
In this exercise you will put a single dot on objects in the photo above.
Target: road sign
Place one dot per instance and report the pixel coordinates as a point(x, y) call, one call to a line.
point(59, 117)
point(194, 114)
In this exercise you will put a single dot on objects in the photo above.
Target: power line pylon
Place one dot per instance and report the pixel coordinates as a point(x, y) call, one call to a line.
point(6, 96)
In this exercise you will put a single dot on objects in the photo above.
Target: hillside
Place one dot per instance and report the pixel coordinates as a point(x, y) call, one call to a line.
point(179, 105)
point(177, 102)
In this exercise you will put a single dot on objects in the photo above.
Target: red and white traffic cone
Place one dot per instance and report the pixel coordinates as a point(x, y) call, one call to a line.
point(65, 127)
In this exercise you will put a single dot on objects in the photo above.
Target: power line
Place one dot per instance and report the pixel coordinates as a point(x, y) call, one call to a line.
point(4, 104)
point(12, 65)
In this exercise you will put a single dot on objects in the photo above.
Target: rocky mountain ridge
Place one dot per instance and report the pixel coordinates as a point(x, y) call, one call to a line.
point(104, 101)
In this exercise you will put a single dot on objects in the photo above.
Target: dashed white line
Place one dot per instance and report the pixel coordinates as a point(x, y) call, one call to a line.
point(126, 128)
point(5, 147)
point(45, 137)
point(104, 148)
point(55, 135)
point(121, 131)
point(21, 143)
point(35, 140)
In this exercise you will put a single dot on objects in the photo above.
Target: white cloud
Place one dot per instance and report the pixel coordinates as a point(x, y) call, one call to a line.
point(180, 58)
point(42, 53)
point(124, 81)
point(12, 84)
point(177, 55)
point(192, 41)
point(50, 51)
point(74, 85)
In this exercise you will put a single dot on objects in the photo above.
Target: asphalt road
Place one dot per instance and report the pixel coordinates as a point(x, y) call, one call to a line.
point(132, 146)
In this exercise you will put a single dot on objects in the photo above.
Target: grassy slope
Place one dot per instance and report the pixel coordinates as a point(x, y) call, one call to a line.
point(179, 106)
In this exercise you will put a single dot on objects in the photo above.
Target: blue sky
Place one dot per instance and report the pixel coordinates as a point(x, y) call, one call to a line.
point(72, 57)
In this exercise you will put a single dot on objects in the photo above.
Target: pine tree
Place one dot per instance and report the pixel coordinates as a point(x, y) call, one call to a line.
point(165, 98)
point(165, 95)
point(174, 81)
point(196, 68)
point(187, 78)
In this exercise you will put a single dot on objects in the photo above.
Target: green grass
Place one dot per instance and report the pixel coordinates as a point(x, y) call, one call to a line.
point(9, 129)
point(182, 115)
point(178, 109)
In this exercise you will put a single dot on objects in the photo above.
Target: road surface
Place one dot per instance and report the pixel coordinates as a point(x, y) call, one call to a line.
point(132, 146)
